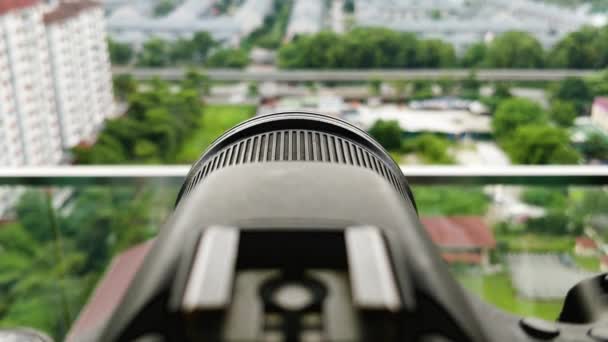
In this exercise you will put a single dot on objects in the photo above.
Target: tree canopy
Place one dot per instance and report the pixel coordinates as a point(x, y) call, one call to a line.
point(365, 48)
point(158, 53)
point(387, 133)
point(586, 48)
point(595, 147)
point(228, 58)
point(563, 113)
point(51, 259)
point(513, 113)
point(157, 122)
point(515, 50)
point(120, 53)
point(432, 149)
point(541, 144)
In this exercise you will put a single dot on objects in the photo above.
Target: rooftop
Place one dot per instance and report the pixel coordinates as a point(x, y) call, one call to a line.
point(601, 102)
point(585, 242)
point(13, 5)
point(459, 231)
point(412, 120)
point(68, 9)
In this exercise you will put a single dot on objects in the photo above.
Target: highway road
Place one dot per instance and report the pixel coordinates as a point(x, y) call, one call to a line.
point(172, 74)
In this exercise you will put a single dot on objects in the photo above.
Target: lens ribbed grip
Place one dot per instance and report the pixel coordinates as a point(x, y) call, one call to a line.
point(295, 145)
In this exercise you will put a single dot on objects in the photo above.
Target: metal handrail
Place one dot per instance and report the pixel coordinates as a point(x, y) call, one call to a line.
point(416, 175)
point(300, 75)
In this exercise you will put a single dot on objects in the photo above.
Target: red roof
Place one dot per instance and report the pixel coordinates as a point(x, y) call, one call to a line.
point(13, 5)
point(466, 258)
point(459, 231)
point(67, 9)
point(109, 290)
point(585, 242)
point(601, 102)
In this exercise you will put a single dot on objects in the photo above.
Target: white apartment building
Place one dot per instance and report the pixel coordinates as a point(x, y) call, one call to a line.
point(81, 69)
point(30, 127)
point(55, 81)
point(29, 131)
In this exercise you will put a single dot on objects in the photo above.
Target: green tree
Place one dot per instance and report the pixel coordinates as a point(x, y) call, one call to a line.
point(470, 86)
point(182, 51)
point(157, 122)
point(155, 53)
point(375, 86)
point(502, 91)
point(228, 58)
point(541, 144)
point(513, 113)
point(195, 80)
point(32, 210)
point(586, 48)
point(515, 49)
point(563, 113)
point(434, 53)
point(120, 53)
point(387, 133)
point(575, 90)
point(252, 89)
point(164, 7)
point(595, 147)
point(554, 223)
point(124, 86)
point(431, 148)
point(349, 6)
point(365, 48)
point(550, 198)
point(475, 56)
point(203, 43)
point(598, 83)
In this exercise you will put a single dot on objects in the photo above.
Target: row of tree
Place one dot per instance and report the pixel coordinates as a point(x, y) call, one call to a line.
point(200, 50)
point(430, 148)
point(567, 210)
point(159, 119)
point(50, 260)
point(384, 48)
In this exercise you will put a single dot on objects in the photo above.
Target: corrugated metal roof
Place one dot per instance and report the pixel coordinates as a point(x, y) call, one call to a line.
point(459, 231)
point(13, 5)
point(68, 9)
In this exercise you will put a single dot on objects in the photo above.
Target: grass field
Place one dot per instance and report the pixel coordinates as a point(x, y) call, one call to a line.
point(537, 243)
point(588, 263)
point(215, 120)
point(496, 289)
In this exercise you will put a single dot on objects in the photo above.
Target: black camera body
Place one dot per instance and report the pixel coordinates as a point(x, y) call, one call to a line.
point(300, 227)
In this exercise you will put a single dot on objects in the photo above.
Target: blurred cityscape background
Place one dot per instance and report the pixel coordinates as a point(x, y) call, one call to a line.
point(473, 83)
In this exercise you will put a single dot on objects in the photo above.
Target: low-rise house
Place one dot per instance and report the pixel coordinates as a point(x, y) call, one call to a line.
point(604, 263)
point(599, 112)
point(585, 246)
point(461, 239)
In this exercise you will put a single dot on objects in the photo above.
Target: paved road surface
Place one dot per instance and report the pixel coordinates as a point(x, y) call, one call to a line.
point(357, 75)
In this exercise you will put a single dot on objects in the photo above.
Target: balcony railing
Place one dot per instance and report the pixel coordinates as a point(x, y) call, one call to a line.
point(416, 175)
point(95, 213)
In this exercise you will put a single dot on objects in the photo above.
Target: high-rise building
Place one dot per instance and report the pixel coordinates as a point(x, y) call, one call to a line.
point(30, 130)
point(55, 81)
point(82, 82)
